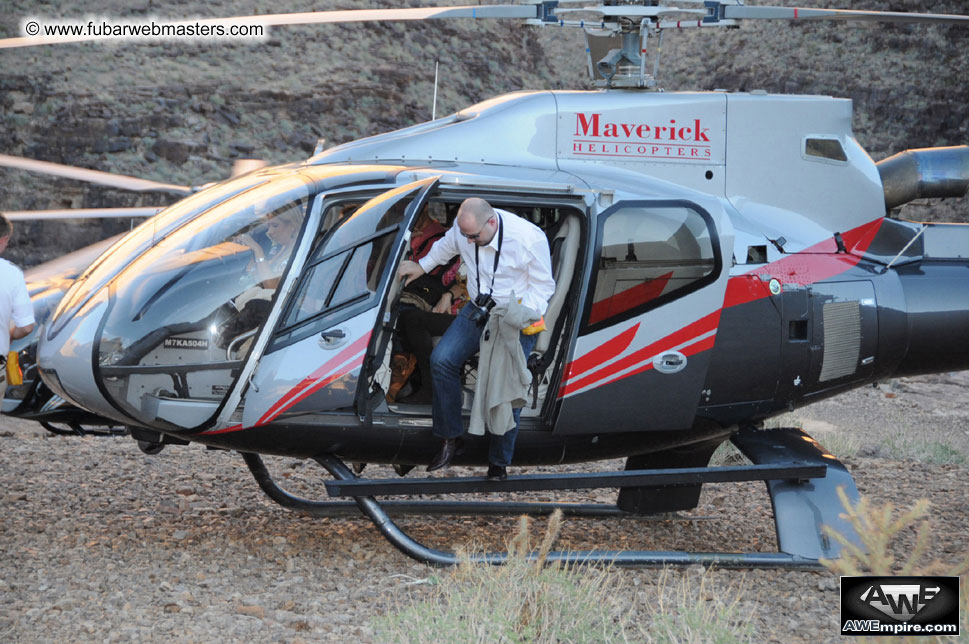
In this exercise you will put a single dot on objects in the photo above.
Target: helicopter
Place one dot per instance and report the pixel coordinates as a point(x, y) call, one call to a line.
point(48, 282)
point(708, 277)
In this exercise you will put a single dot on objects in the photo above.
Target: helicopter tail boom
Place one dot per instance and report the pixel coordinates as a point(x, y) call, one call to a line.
point(937, 319)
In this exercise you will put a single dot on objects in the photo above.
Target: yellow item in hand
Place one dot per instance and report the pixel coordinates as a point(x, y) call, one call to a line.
point(535, 327)
point(14, 375)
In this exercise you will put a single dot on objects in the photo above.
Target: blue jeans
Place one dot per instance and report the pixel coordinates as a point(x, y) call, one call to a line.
point(460, 342)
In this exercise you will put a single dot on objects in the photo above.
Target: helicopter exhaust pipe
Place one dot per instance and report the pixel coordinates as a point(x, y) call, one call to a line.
point(925, 173)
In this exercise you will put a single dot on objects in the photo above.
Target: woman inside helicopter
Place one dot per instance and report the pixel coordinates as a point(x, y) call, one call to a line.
point(418, 329)
point(427, 307)
point(279, 231)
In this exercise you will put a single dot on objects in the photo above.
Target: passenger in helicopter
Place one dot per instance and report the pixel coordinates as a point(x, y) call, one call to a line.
point(282, 230)
point(418, 330)
point(510, 258)
point(264, 271)
point(428, 294)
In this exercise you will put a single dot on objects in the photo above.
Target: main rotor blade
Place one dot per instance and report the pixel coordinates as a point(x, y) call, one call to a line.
point(807, 13)
point(82, 213)
point(92, 176)
point(526, 11)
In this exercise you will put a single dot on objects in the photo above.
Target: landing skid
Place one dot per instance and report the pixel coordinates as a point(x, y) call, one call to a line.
point(801, 480)
point(72, 428)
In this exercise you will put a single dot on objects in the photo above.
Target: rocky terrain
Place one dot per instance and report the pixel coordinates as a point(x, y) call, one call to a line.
point(101, 543)
point(182, 112)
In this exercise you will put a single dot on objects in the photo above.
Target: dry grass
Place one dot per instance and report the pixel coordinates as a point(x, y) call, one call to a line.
point(531, 600)
point(698, 610)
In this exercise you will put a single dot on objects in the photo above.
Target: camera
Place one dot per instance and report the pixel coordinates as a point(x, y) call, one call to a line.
point(482, 309)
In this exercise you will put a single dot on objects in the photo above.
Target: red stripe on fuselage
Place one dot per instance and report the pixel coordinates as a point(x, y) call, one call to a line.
point(308, 381)
point(701, 345)
point(703, 325)
point(309, 392)
point(814, 264)
point(607, 351)
point(226, 430)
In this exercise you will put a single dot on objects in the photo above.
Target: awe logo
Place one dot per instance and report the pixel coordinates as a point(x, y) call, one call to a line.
point(899, 605)
point(901, 601)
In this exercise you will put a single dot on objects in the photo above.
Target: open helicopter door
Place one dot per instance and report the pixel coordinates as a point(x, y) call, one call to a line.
point(315, 358)
point(649, 318)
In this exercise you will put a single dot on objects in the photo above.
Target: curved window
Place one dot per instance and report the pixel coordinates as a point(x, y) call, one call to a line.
point(183, 314)
point(142, 237)
point(343, 273)
point(649, 255)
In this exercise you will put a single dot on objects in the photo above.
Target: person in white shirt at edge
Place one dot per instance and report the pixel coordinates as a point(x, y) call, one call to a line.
point(16, 311)
point(504, 254)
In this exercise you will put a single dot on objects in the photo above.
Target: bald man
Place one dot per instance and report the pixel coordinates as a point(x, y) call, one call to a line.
point(504, 254)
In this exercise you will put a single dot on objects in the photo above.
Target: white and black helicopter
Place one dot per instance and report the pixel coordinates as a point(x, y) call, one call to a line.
point(48, 282)
point(708, 278)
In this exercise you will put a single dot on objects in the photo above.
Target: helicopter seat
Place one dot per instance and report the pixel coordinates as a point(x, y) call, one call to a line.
point(564, 247)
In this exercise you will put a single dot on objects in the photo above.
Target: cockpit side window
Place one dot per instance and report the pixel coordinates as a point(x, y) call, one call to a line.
point(339, 281)
point(343, 272)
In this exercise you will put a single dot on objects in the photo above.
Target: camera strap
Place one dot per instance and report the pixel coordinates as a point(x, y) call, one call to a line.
point(494, 270)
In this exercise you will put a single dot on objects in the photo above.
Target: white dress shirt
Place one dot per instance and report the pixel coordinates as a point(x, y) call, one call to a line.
point(524, 266)
point(14, 303)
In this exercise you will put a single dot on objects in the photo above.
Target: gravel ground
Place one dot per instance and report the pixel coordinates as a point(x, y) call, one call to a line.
point(102, 543)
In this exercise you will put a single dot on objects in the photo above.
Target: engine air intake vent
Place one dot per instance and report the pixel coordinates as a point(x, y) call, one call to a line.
point(842, 340)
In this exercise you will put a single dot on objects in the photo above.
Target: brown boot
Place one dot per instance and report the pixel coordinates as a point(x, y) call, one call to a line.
point(401, 367)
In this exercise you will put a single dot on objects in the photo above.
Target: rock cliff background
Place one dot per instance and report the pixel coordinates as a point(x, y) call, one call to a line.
point(182, 112)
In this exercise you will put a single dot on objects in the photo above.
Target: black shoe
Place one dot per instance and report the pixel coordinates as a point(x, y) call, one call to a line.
point(497, 473)
point(443, 457)
point(401, 469)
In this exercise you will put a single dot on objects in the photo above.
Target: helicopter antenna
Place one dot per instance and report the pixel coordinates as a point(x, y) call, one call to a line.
point(434, 103)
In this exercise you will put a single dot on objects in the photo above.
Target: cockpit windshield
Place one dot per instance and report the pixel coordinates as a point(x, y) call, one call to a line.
point(182, 316)
point(135, 242)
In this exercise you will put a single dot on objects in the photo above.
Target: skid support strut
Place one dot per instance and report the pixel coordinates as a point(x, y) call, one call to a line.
point(331, 509)
point(400, 540)
point(801, 480)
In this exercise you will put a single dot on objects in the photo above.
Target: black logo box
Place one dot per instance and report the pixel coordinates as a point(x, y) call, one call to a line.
point(940, 607)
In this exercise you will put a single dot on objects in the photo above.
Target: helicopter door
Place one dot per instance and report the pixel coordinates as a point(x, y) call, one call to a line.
point(314, 361)
point(649, 319)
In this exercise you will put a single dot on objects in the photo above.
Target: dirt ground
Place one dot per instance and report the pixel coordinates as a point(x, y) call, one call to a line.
point(102, 543)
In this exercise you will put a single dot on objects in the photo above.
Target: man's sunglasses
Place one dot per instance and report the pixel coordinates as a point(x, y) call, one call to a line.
point(477, 234)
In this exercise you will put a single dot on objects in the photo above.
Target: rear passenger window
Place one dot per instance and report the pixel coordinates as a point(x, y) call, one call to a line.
point(821, 148)
point(649, 255)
